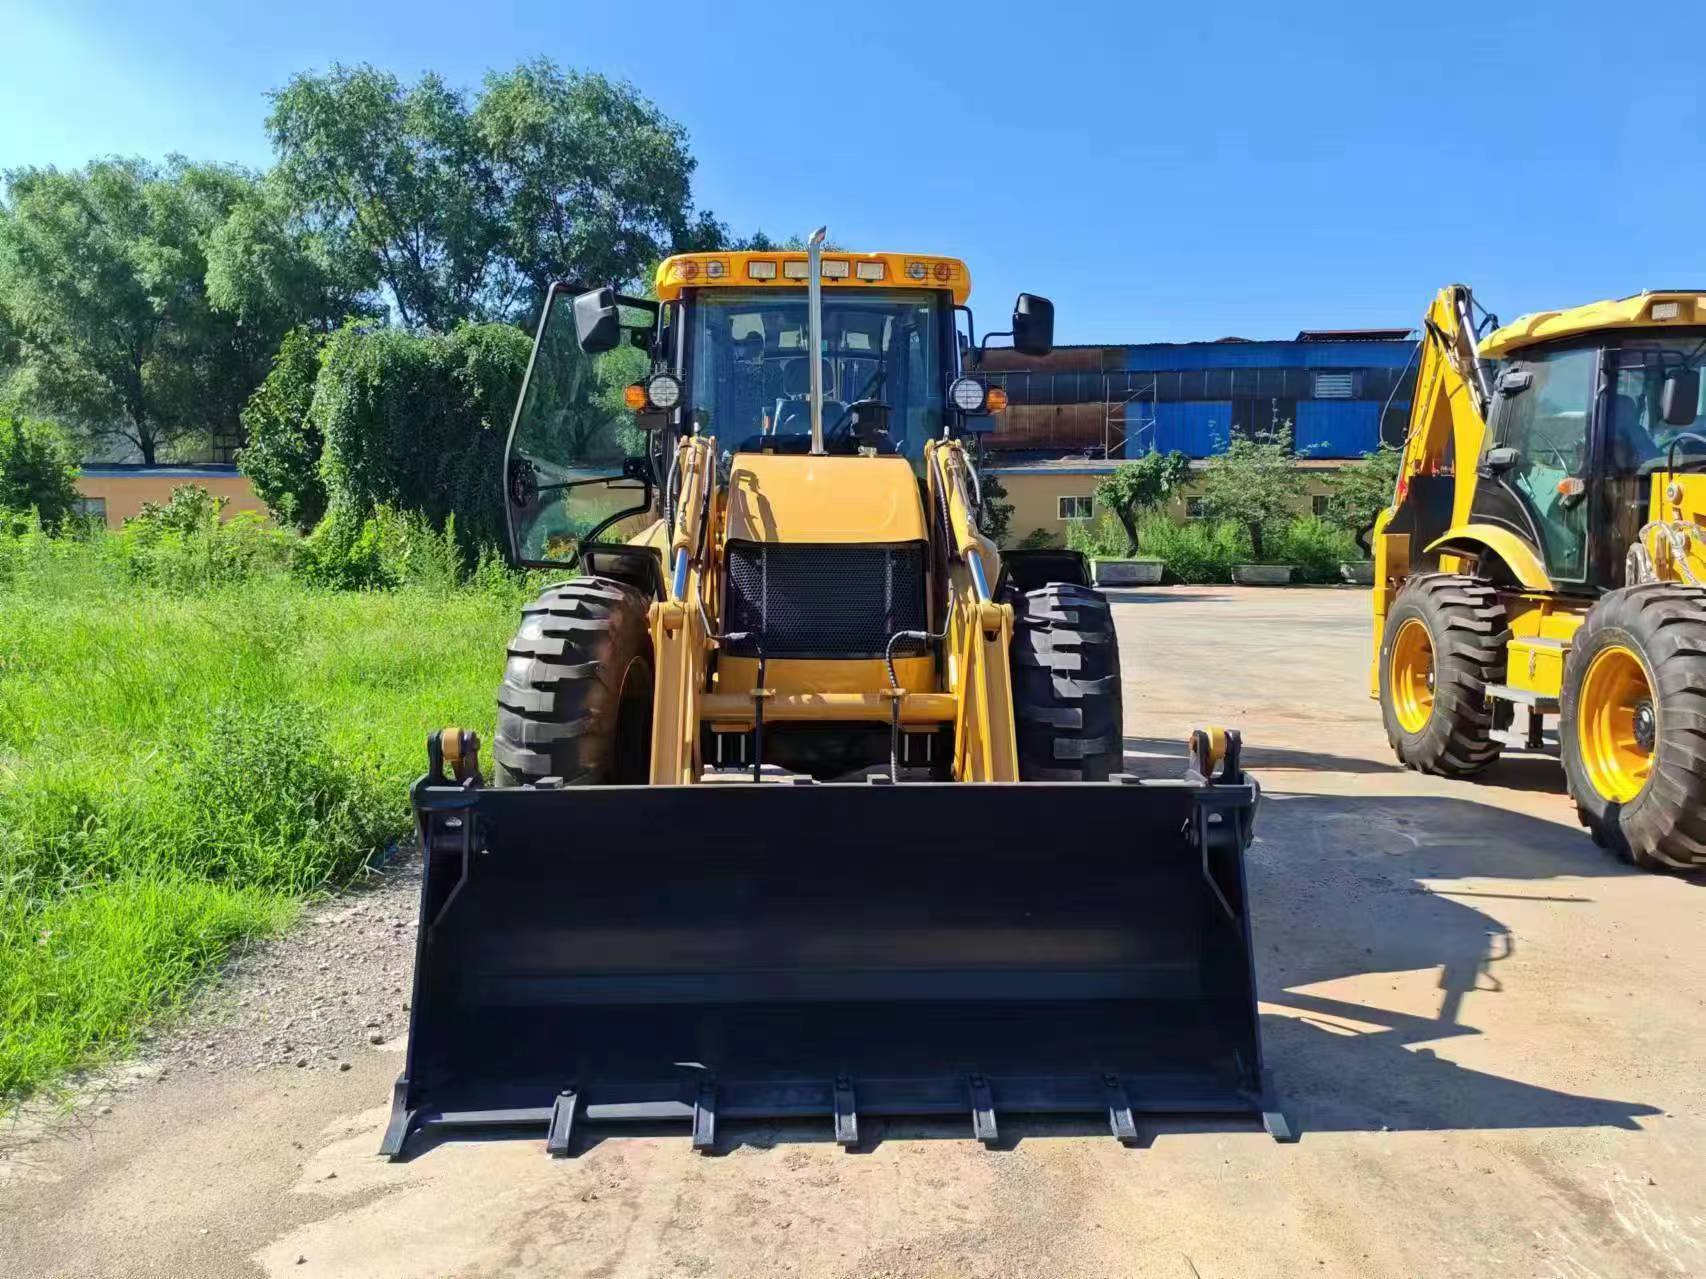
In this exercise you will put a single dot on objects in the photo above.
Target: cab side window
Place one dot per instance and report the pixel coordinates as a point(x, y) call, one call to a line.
point(1547, 424)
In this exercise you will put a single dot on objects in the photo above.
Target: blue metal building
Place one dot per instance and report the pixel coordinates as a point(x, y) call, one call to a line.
point(1340, 392)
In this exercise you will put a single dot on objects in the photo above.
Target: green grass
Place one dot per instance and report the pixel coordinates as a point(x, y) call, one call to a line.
point(180, 766)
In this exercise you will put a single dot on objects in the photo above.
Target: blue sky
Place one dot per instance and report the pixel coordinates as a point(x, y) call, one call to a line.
point(1164, 173)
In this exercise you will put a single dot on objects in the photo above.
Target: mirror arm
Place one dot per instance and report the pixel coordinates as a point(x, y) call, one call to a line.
point(984, 345)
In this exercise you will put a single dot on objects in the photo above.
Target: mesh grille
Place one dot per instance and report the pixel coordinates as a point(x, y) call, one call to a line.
point(824, 601)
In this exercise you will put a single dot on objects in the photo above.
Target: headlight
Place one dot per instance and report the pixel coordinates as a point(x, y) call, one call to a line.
point(663, 390)
point(967, 394)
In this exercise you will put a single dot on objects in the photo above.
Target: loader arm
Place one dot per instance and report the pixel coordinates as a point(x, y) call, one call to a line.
point(980, 630)
point(1436, 476)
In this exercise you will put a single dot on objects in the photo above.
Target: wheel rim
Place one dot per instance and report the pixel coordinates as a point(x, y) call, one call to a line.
point(1411, 675)
point(1617, 724)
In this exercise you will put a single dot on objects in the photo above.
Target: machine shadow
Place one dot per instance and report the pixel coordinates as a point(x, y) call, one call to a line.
point(1365, 908)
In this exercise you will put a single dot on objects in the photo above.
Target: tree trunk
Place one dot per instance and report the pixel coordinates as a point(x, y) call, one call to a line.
point(1129, 522)
point(1256, 543)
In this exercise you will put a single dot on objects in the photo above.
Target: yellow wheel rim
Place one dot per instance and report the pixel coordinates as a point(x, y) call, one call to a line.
point(1410, 675)
point(1616, 724)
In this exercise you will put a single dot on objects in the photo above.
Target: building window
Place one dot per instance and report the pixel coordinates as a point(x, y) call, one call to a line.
point(1318, 504)
point(1074, 508)
point(1335, 386)
point(90, 508)
point(1194, 508)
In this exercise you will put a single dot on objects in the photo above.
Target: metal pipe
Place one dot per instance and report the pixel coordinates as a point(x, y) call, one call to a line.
point(814, 330)
point(974, 561)
point(679, 586)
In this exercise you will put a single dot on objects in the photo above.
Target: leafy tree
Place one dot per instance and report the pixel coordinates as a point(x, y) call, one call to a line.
point(468, 210)
point(282, 457)
point(275, 271)
point(36, 471)
point(595, 181)
point(1363, 489)
point(1138, 487)
point(400, 171)
point(104, 282)
point(1255, 484)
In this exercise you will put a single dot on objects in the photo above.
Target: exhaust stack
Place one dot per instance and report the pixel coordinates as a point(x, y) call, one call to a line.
point(814, 330)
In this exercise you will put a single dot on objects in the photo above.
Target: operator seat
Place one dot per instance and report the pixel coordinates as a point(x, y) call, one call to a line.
point(1631, 443)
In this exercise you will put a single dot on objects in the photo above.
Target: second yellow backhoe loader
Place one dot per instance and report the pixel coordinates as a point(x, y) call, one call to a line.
point(807, 801)
point(1538, 577)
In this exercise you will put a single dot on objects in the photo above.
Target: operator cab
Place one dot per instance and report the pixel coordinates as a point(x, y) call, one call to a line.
point(723, 350)
point(1576, 428)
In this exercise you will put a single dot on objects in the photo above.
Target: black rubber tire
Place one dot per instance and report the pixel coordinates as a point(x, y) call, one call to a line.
point(576, 697)
point(1664, 625)
point(1466, 626)
point(1065, 660)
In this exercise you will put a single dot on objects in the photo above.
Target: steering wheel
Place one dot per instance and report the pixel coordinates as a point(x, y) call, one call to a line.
point(872, 383)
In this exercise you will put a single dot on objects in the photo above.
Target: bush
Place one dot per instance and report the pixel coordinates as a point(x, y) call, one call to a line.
point(1196, 551)
point(183, 545)
point(1315, 548)
point(261, 799)
point(1099, 538)
point(36, 471)
point(1038, 539)
point(387, 549)
point(282, 458)
point(416, 423)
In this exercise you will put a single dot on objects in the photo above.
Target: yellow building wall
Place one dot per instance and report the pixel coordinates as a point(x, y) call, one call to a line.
point(125, 494)
point(1035, 497)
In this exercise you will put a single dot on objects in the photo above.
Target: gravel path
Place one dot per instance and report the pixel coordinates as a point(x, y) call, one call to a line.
point(312, 999)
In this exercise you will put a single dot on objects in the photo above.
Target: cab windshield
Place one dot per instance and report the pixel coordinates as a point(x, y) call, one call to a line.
point(1640, 438)
point(751, 383)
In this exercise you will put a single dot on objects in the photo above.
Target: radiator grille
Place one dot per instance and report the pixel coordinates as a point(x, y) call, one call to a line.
point(824, 601)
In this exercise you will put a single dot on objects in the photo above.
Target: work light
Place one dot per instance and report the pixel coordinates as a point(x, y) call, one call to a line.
point(967, 394)
point(663, 390)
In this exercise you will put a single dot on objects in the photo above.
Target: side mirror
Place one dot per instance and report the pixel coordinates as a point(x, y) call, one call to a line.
point(1502, 459)
point(1679, 401)
point(1033, 325)
point(598, 325)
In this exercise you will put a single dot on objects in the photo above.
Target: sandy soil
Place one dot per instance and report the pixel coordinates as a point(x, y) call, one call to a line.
point(1492, 1036)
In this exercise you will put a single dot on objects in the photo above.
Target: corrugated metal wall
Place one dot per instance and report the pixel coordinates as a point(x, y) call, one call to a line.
point(1337, 428)
point(1156, 357)
point(1196, 428)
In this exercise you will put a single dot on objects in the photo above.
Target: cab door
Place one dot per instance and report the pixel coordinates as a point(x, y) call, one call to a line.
point(1536, 462)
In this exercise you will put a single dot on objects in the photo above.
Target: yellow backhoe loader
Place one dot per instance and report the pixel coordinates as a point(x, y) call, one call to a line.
point(806, 800)
point(1538, 576)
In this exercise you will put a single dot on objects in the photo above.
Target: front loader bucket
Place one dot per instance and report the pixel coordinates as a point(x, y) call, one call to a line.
point(732, 952)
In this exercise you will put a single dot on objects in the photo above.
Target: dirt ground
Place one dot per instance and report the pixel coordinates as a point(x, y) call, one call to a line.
point(1492, 1036)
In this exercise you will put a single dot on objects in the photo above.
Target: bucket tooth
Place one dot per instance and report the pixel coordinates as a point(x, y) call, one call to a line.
point(983, 1112)
point(846, 1116)
point(705, 1118)
point(562, 1124)
point(1119, 1111)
